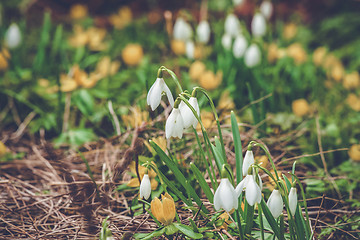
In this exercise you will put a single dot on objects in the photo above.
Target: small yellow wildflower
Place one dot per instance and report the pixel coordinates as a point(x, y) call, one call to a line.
point(106, 67)
point(135, 118)
point(178, 47)
point(272, 52)
point(319, 55)
point(122, 18)
point(197, 68)
point(164, 211)
point(354, 152)
point(354, 102)
point(351, 80)
point(290, 31)
point(132, 54)
point(78, 11)
point(300, 107)
point(3, 149)
point(4, 57)
point(210, 81)
point(337, 72)
point(134, 182)
point(297, 52)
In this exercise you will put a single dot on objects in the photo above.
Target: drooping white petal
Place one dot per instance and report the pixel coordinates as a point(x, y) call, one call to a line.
point(145, 187)
point(232, 25)
point(179, 126)
point(188, 116)
point(174, 124)
point(293, 200)
point(275, 203)
point(266, 8)
point(168, 94)
point(182, 30)
point(225, 196)
point(154, 95)
point(217, 200)
point(252, 192)
point(252, 56)
point(226, 41)
point(203, 31)
point(258, 25)
point(240, 187)
point(248, 161)
point(190, 49)
point(239, 47)
point(260, 182)
point(13, 36)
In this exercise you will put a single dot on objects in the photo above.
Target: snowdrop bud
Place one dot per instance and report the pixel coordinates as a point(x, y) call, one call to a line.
point(190, 49)
point(156, 91)
point(226, 41)
point(293, 201)
point(145, 187)
point(225, 196)
point(275, 203)
point(252, 191)
point(13, 36)
point(232, 25)
point(248, 161)
point(252, 56)
point(174, 126)
point(203, 31)
point(258, 25)
point(182, 30)
point(188, 116)
point(266, 8)
point(239, 47)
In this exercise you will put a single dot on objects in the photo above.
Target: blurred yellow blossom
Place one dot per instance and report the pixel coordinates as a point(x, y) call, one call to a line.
point(319, 55)
point(300, 107)
point(77, 78)
point(122, 18)
point(93, 37)
point(337, 72)
point(209, 80)
point(178, 47)
point(354, 102)
point(354, 152)
point(351, 80)
point(262, 160)
point(4, 57)
point(163, 211)
point(207, 119)
point(160, 141)
point(78, 11)
point(136, 117)
point(3, 149)
point(134, 182)
point(196, 69)
point(272, 52)
point(43, 82)
point(290, 31)
point(226, 102)
point(132, 54)
point(106, 67)
point(297, 52)
point(330, 61)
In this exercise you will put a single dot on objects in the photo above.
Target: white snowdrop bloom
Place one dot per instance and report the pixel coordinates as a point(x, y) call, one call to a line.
point(238, 2)
point(156, 91)
point(13, 36)
point(182, 30)
point(242, 185)
point(232, 25)
point(293, 200)
point(203, 32)
point(239, 47)
point(174, 126)
point(188, 116)
point(248, 161)
point(190, 49)
point(258, 25)
point(252, 191)
point(252, 56)
point(275, 203)
point(225, 196)
point(226, 41)
point(266, 8)
point(145, 187)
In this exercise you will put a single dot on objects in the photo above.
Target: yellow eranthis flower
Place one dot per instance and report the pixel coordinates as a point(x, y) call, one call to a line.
point(136, 117)
point(122, 18)
point(132, 54)
point(164, 211)
point(95, 39)
point(354, 152)
point(78, 11)
point(330, 61)
point(210, 81)
point(199, 51)
point(271, 183)
point(3, 149)
point(196, 69)
point(67, 84)
point(337, 72)
point(43, 82)
point(160, 141)
point(272, 52)
point(281, 53)
point(207, 119)
point(300, 107)
point(4, 57)
point(226, 102)
point(134, 182)
point(77, 77)
point(178, 47)
point(263, 160)
point(106, 67)
point(354, 102)
point(297, 52)
point(351, 80)
point(290, 31)
point(319, 55)
point(80, 37)
point(227, 222)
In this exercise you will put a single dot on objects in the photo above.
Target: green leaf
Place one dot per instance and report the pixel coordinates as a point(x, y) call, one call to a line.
point(218, 157)
point(154, 234)
point(188, 231)
point(237, 147)
point(271, 220)
point(85, 102)
point(204, 186)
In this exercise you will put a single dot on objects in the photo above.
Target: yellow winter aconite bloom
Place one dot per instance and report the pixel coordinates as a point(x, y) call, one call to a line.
point(207, 119)
point(300, 107)
point(163, 211)
point(210, 81)
point(2, 149)
point(178, 47)
point(77, 78)
point(106, 67)
point(330, 61)
point(136, 117)
point(297, 52)
point(134, 182)
point(160, 141)
point(78, 11)
point(351, 80)
point(93, 37)
point(122, 18)
point(337, 72)
point(319, 55)
point(4, 57)
point(132, 54)
point(354, 152)
point(272, 52)
point(354, 102)
point(226, 102)
point(290, 31)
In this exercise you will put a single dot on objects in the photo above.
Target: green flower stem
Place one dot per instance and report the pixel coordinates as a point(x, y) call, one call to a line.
point(261, 222)
point(216, 118)
point(173, 75)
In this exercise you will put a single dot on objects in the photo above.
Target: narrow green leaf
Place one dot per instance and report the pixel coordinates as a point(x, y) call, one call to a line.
point(249, 216)
point(204, 186)
point(145, 236)
point(271, 220)
point(188, 231)
point(288, 184)
point(218, 157)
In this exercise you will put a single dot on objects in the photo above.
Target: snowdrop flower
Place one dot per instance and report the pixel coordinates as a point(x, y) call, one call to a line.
point(266, 8)
point(252, 56)
point(145, 187)
point(275, 203)
point(232, 25)
point(13, 36)
point(225, 196)
point(239, 47)
point(258, 25)
point(187, 115)
point(190, 49)
point(293, 200)
point(156, 91)
point(174, 126)
point(226, 41)
point(248, 161)
point(203, 31)
point(182, 30)
point(252, 189)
